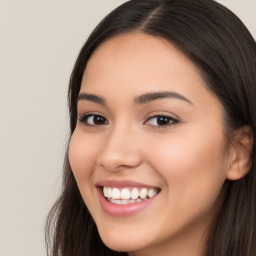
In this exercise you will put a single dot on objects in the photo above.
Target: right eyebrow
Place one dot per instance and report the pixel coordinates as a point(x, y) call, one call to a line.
point(91, 97)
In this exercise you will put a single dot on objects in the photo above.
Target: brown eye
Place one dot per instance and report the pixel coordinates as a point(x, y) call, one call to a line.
point(161, 121)
point(93, 120)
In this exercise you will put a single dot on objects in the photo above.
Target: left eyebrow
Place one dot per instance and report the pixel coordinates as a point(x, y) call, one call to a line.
point(148, 97)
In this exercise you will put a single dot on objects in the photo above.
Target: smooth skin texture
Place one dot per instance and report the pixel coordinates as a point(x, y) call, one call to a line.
point(185, 154)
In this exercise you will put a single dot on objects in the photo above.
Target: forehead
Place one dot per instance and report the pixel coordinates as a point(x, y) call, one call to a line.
point(137, 63)
point(140, 50)
point(136, 56)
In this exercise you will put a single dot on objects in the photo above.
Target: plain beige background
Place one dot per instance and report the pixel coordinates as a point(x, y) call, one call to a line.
point(39, 42)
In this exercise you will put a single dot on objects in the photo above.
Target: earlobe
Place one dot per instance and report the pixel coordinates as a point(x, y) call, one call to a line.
point(240, 154)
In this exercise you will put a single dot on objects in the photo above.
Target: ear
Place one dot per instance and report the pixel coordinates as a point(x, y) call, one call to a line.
point(240, 154)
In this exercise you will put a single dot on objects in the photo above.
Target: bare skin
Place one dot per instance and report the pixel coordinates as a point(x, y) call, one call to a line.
point(174, 142)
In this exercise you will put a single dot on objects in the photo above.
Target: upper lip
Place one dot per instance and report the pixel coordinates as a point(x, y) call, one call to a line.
point(122, 184)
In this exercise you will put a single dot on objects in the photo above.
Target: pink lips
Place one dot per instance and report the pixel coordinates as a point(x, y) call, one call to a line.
point(122, 210)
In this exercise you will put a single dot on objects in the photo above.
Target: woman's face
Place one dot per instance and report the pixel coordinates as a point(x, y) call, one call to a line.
point(150, 137)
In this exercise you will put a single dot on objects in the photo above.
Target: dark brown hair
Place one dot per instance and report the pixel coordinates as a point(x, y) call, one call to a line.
point(225, 52)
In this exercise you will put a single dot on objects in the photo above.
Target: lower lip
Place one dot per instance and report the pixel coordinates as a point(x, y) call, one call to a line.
point(123, 210)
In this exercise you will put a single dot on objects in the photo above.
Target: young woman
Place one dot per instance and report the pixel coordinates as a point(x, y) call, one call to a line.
point(161, 159)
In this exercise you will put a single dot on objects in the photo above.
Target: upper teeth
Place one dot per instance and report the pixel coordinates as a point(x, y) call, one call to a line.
point(125, 193)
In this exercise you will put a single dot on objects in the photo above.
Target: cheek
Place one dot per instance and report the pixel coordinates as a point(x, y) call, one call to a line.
point(193, 167)
point(82, 156)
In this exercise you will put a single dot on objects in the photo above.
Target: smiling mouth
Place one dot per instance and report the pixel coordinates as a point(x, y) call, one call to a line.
point(128, 195)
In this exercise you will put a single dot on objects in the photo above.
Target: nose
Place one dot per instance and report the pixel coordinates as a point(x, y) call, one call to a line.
point(119, 151)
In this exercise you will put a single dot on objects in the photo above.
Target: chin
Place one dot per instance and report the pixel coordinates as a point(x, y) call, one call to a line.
point(121, 243)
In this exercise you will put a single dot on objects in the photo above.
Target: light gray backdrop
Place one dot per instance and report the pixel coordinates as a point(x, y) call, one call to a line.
point(39, 42)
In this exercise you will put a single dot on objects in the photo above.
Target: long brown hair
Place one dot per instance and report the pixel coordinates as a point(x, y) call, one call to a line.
point(225, 52)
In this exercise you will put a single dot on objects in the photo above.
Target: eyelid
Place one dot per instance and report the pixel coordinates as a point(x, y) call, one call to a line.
point(84, 118)
point(89, 113)
point(174, 120)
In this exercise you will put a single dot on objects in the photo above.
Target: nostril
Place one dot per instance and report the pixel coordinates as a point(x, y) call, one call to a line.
point(117, 162)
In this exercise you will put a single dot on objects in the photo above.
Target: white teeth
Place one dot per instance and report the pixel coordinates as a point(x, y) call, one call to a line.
point(116, 193)
point(125, 196)
point(143, 193)
point(135, 193)
point(122, 201)
point(109, 193)
point(152, 192)
point(105, 191)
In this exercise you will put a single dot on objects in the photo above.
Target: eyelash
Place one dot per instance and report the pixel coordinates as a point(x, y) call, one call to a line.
point(162, 118)
point(84, 119)
point(168, 121)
